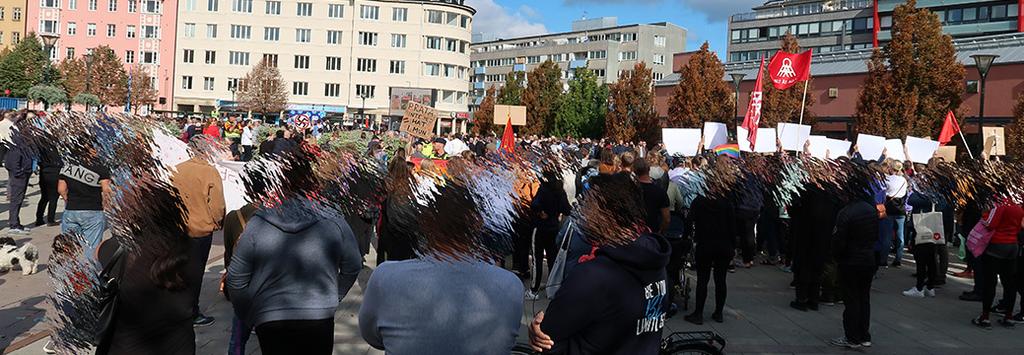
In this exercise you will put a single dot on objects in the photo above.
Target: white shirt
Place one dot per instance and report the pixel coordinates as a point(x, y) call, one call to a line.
point(247, 136)
point(895, 186)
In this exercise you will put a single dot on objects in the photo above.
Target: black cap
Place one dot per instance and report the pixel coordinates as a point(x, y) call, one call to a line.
point(440, 140)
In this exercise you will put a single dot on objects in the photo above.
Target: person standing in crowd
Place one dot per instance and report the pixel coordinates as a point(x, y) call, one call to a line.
point(655, 198)
point(814, 216)
point(748, 208)
point(923, 250)
point(895, 207)
point(18, 161)
point(999, 258)
point(714, 217)
point(234, 224)
point(548, 207)
point(50, 165)
point(84, 184)
point(289, 270)
point(970, 216)
point(202, 195)
point(248, 139)
point(6, 126)
point(284, 142)
point(437, 149)
point(395, 243)
point(212, 129)
point(856, 231)
point(614, 301)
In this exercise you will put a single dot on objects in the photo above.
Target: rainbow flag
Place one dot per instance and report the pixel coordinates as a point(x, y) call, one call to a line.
point(732, 150)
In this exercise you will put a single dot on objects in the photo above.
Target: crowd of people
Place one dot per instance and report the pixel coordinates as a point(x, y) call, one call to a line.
point(626, 220)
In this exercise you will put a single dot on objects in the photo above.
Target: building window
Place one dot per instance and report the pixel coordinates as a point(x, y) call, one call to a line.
point(302, 62)
point(332, 90)
point(302, 35)
point(366, 91)
point(238, 58)
point(72, 28)
point(629, 55)
point(211, 30)
point(2, 13)
point(186, 82)
point(190, 30)
point(15, 37)
point(90, 30)
point(50, 3)
point(659, 40)
point(48, 26)
point(434, 42)
point(333, 63)
point(70, 51)
point(599, 72)
point(398, 41)
point(300, 88)
point(133, 5)
point(270, 59)
point(189, 56)
point(598, 54)
point(208, 83)
point(465, 22)
point(431, 69)
point(453, 45)
point(399, 14)
point(434, 16)
point(368, 38)
point(151, 7)
point(241, 32)
point(333, 37)
point(92, 5)
point(232, 84)
point(397, 67)
point(190, 5)
point(366, 65)
point(304, 9)
point(629, 37)
point(453, 19)
point(659, 59)
point(129, 57)
point(150, 31)
point(335, 10)
point(243, 6)
point(111, 30)
point(111, 5)
point(211, 5)
point(273, 8)
point(211, 57)
point(533, 59)
point(272, 34)
point(368, 12)
point(149, 57)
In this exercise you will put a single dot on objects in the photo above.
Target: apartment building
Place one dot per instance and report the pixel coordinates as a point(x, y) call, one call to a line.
point(138, 31)
point(362, 59)
point(12, 22)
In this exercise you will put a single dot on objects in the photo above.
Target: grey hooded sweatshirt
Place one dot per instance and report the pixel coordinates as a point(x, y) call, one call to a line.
point(292, 263)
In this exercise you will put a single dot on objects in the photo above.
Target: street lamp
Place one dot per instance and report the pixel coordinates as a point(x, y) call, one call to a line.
point(233, 89)
point(49, 41)
point(736, 79)
point(982, 62)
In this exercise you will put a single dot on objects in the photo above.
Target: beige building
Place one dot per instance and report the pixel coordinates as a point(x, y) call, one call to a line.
point(12, 22)
point(338, 58)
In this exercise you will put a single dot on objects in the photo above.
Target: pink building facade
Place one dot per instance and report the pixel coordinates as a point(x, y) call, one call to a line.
point(139, 31)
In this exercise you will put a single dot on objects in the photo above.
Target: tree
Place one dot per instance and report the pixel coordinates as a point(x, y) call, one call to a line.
point(541, 98)
point(483, 117)
point(631, 116)
point(583, 108)
point(86, 99)
point(108, 79)
point(47, 94)
point(780, 106)
point(1015, 131)
point(74, 73)
point(913, 81)
point(23, 67)
point(140, 91)
point(512, 92)
point(263, 90)
point(702, 93)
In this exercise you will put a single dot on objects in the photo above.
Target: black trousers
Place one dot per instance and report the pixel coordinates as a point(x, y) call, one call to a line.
point(985, 272)
point(927, 265)
point(48, 200)
point(856, 283)
point(199, 253)
point(16, 188)
point(246, 152)
point(942, 254)
point(1010, 294)
point(708, 262)
point(314, 337)
point(745, 222)
point(543, 245)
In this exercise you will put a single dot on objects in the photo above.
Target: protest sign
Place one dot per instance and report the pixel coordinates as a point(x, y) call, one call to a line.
point(920, 150)
point(894, 150)
point(838, 148)
point(870, 147)
point(234, 190)
point(503, 112)
point(715, 134)
point(682, 141)
point(948, 153)
point(766, 142)
point(170, 150)
point(419, 120)
point(793, 136)
point(995, 144)
point(818, 146)
point(742, 140)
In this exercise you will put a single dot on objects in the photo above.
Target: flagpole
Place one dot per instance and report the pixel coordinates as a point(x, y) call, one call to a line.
point(967, 147)
point(803, 102)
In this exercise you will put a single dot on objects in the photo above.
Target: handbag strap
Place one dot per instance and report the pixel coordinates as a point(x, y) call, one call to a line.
point(567, 236)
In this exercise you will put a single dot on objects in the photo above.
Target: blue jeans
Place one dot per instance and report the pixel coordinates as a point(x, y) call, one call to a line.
point(90, 224)
point(897, 223)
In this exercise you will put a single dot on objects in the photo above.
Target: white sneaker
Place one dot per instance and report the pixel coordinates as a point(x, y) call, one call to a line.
point(48, 348)
point(914, 292)
point(930, 292)
point(866, 344)
point(530, 295)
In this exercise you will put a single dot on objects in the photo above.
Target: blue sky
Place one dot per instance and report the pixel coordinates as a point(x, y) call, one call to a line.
point(705, 20)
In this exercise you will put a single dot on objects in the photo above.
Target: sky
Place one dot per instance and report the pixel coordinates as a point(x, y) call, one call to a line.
point(705, 20)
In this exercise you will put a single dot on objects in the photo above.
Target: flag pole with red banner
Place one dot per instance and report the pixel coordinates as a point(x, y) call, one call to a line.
point(787, 69)
point(752, 120)
point(949, 128)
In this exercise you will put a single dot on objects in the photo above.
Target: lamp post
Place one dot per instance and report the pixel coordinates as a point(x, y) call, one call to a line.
point(982, 62)
point(736, 79)
point(233, 89)
point(49, 41)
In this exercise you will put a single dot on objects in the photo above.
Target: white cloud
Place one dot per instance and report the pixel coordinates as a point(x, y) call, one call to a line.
point(500, 22)
point(530, 12)
point(714, 10)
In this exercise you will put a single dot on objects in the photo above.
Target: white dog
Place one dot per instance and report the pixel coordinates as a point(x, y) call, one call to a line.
point(26, 256)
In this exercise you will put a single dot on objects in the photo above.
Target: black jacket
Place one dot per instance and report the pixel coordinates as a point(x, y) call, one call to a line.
point(714, 221)
point(18, 160)
point(613, 304)
point(856, 231)
point(49, 160)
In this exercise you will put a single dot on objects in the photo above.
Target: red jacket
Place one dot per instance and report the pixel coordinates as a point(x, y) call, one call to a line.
point(212, 131)
point(1005, 222)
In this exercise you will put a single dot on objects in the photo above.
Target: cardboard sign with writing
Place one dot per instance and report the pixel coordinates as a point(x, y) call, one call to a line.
point(503, 112)
point(995, 144)
point(419, 120)
point(948, 153)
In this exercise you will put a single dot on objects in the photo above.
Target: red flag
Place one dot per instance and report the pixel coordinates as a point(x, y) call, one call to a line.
point(753, 118)
point(508, 138)
point(787, 69)
point(949, 129)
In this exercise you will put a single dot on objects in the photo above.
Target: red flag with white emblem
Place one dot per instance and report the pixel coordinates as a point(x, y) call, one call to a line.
point(753, 116)
point(787, 69)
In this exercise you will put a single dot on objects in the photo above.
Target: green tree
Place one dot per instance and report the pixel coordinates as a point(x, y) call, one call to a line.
point(913, 81)
point(108, 79)
point(541, 97)
point(583, 107)
point(702, 94)
point(512, 92)
point(781, 106)
point(47, 94)
point(86, 99)
point(631, 116)
point(74, 73)
point(483, 117)
point(23, 67)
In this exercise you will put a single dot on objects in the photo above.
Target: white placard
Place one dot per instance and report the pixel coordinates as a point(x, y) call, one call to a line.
point(715, 134)
point(838, 148)
point(870, 147)
point(741, 139)
point(793, 136)
point(169, 150)
point(234, 190)
point(894, 150)
point(766, 141)
point(682, 141)
point(920, 150)
point(818, 146)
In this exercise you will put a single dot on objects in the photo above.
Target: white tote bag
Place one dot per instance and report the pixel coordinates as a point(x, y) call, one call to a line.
point(556, 274)
point(929, 227)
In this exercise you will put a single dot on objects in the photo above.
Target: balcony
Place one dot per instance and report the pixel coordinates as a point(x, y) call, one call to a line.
point(803, 9)
point(478, 86)
point(582, 63)
point(519, 67)
point(479, 70)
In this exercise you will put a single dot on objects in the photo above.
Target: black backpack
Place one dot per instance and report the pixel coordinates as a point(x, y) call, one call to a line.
point(108, 300)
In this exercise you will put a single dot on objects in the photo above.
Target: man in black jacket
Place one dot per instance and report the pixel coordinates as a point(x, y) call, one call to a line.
point(18, 162)
point(49, 172)
point(856, 231)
